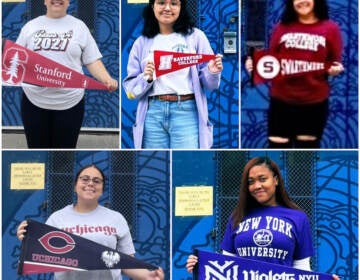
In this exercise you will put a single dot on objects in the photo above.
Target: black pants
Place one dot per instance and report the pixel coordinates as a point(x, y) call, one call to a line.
point(288, 121)
point(51, 128)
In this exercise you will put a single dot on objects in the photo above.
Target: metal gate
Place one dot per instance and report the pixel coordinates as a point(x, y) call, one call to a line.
point(102, 18)
point(257, 20)
point(219, 20)
point(324, 184)
point(136, 185)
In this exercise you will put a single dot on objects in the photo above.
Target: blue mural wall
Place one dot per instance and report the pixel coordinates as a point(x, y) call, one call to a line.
point(214, 18)
point(102, 17)
point(333, 205)
point(137, 182)
point(342, 128)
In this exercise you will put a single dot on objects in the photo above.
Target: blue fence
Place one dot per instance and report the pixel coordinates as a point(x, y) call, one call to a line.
point(324, 184)
point(102, 17)
point(342, 127)
point(137, 185)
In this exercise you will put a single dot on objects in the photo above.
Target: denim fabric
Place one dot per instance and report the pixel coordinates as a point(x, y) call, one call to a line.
point(171, 125)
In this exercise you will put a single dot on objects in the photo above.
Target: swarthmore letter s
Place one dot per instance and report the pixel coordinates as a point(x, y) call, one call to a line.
point(222, 267)
point(49, 249)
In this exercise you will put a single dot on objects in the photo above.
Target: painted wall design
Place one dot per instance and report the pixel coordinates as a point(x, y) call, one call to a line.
point(102, 108)
point(334, 206)
point(342, 127)
point(214, 18)
point(137, 181)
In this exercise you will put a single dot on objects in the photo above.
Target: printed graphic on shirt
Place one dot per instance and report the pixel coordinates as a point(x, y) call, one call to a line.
point(44, 40)
point(263, 237)
point(180, 48)
point(85, 229)
point(303, 41)
point(263, 231)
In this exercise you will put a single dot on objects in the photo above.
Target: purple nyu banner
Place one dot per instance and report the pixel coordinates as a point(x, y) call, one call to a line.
point(222, 267)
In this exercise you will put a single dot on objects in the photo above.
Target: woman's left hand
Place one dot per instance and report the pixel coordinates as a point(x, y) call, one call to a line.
point(215, 65)
point(335, 69)
point(111, 84)
point(157, 274)
point(335, 277)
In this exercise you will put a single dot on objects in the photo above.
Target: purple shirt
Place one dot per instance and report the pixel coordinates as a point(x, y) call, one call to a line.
point(272, 234)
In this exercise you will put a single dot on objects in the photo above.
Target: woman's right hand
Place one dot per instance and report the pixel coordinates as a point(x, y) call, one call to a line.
point(191, 262)
point(21, 231)
point(149, 71)
point(249, 64)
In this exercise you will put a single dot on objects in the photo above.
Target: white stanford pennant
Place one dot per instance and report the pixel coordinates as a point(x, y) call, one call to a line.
point(21, 66)
point(167, 62)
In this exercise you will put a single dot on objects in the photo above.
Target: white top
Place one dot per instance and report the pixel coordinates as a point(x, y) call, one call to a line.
point(178, 82)
point(102, 225)
point(66, 40)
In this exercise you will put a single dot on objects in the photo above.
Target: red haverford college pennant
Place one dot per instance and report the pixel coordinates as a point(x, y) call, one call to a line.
point(21, 66)
point(167, 62)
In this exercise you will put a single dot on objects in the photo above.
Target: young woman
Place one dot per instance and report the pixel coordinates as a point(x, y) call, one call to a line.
point(52, 117)
point(172, 109)
point(298, 108)
point(263, 199)
point(89, 187)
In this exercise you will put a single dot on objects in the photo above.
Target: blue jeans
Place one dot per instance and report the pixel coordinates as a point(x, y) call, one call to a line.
point(171, 125)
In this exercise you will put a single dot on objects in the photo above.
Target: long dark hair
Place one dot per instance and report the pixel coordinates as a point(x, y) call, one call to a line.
point(289, 15)
point(246, 202)
point(184, 24)
point(88, 166)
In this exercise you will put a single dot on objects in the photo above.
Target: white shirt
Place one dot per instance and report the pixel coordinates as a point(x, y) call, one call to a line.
point(103, 226)
point(178, 82)
point(66, 40)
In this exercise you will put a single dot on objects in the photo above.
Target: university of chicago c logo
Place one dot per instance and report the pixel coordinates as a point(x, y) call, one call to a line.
point(13, 71)
point(45, 241)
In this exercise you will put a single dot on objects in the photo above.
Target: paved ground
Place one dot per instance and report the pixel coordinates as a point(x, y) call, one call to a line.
point(102, 141)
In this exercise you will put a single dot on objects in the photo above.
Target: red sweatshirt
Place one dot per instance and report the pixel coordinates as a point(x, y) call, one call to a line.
point(318, 42)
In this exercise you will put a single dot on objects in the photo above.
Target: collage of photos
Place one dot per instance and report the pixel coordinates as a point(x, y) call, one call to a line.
point(180, 140)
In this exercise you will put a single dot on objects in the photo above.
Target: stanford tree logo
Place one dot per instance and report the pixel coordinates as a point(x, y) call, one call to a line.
point(14, 60)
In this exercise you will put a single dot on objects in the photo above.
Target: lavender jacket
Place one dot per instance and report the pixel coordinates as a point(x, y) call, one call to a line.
point(136, 87)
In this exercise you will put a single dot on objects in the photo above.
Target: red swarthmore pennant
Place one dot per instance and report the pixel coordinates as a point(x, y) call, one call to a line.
point(167, 62)
point(22, 66)
point(268, 66)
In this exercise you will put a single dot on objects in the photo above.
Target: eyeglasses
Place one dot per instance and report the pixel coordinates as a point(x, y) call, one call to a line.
point(173, 4)
point(87, 179)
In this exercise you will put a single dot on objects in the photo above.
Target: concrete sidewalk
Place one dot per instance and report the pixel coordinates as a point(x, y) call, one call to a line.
point(87, 140)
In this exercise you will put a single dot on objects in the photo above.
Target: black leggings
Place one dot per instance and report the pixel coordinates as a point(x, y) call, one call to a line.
point(51, 128)
point(289, 121)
